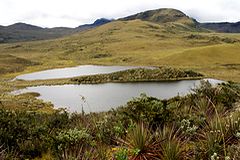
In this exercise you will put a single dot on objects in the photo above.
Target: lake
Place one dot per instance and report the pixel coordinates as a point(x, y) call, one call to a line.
point(75, 71)
point(103, 97)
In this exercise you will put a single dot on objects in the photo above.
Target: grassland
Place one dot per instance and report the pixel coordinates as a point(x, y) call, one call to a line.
point(130, 43)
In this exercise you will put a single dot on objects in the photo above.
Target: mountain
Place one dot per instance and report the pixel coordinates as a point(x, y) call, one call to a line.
point(20, 32)
point(23, 26)
point(171, 18)
point(150, 41)
point(164, 15)
point(101, 21)
point(97, 23)
point(222, 27)
point(168, 15)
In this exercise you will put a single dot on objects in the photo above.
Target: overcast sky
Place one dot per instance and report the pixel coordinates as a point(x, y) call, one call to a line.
point(72, 13)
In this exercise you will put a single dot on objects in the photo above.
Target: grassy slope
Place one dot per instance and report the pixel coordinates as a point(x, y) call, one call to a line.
point(220, 61)
point(136, 43)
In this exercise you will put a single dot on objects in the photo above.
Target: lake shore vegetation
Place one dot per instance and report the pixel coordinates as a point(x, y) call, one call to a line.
point(204, 124)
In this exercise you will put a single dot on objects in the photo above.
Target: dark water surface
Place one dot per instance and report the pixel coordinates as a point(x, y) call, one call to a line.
point(103, 97)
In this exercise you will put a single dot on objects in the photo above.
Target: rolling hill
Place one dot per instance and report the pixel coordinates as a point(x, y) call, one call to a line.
point(134, 41)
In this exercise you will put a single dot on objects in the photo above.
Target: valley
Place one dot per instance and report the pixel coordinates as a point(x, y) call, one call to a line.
point(153, 85)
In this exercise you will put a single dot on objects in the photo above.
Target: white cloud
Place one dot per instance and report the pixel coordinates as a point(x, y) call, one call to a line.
point(50, 13)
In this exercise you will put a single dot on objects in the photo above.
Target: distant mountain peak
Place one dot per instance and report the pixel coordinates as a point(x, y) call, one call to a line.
point(96, 23)
point(101, 21)
point(24, 26)
point(222, 27)
point(163, 15)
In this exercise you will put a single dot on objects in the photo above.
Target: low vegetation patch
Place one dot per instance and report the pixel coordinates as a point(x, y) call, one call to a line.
point(26, 101)
point(12, 64)
point(132, 75)
point(102, 55)
point(140, 75)
point(212, 39)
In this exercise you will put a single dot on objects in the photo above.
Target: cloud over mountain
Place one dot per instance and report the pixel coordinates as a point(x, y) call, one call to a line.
point(72, 13)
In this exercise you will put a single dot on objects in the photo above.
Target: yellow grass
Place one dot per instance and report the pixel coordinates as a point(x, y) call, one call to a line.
point(134, 43)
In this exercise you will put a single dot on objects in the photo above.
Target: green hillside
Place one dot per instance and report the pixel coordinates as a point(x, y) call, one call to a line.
point(163, 15)
point(133, 42)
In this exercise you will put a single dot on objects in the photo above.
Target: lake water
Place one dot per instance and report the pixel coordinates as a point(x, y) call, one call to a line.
point(103, 97)
point(74, 72)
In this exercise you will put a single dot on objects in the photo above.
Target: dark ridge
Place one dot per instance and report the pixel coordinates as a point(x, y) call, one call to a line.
point(97, 23)
point(21, 32)
point(222, 27)
point(23, 26)
point(101, 21)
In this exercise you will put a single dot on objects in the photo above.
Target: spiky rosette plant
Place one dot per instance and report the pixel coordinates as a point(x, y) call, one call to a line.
point(141, 144)
point(173, 143)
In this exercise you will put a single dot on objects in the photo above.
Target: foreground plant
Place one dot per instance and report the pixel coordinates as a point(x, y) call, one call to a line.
point(73, 144)
point(8, 155)
point(173, 144)
point(121, 154)
point(2, 153)
point(142, 144)
point(150, 110)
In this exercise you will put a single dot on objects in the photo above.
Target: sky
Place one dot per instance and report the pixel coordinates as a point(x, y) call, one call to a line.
point(72, 13)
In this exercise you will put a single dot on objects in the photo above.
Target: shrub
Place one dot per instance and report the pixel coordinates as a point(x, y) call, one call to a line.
point(225, 94)
point(73, 144)
point(29, 133)
point(187, 127)
point(148, 110)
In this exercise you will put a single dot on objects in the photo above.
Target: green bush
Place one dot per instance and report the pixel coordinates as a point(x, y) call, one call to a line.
point(73, 144)
point(29, 133)
point(226, 94)
point(121, 154)
point(149, 110)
